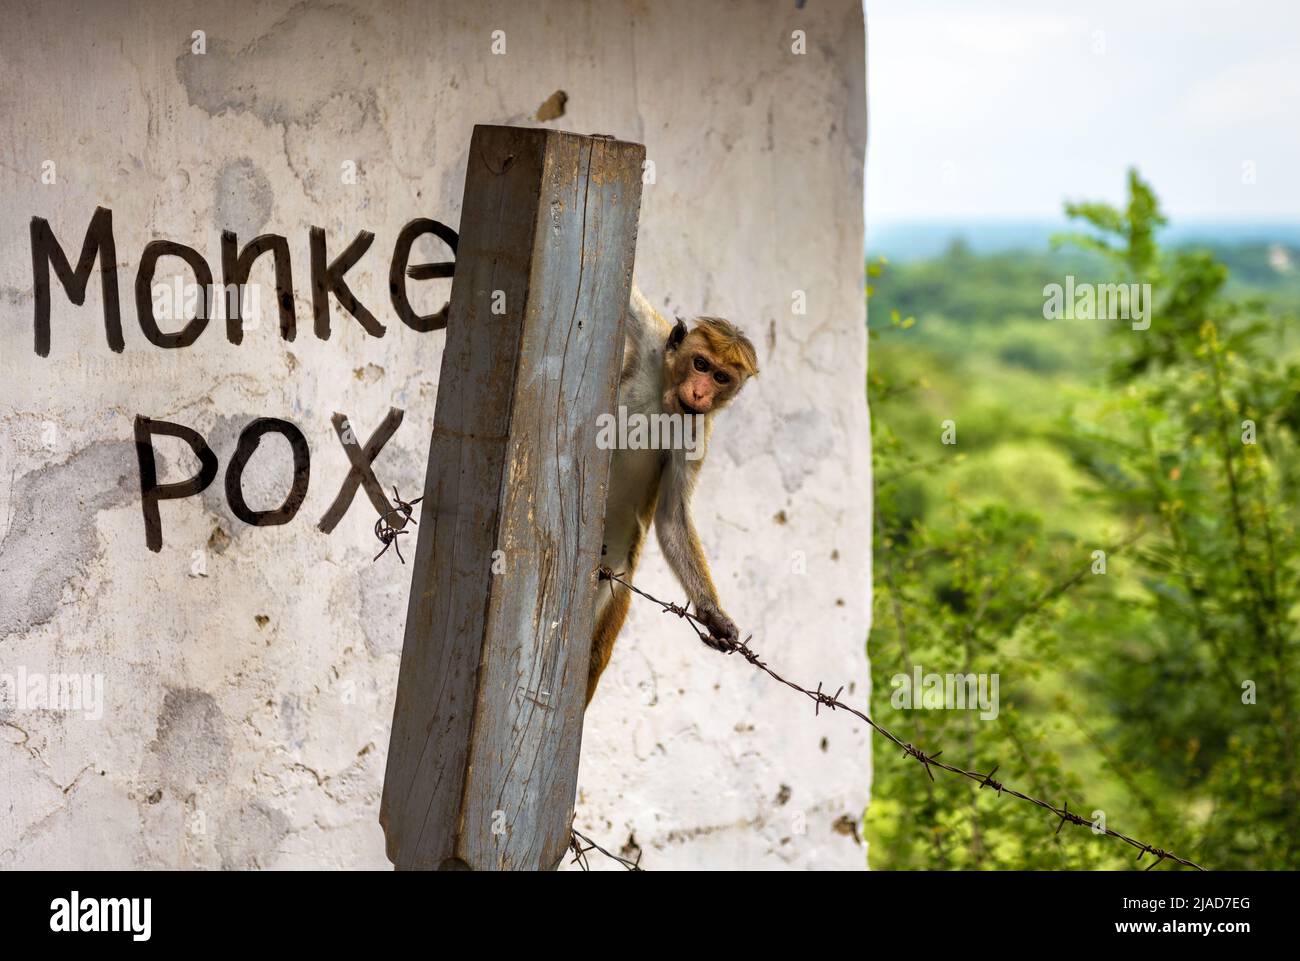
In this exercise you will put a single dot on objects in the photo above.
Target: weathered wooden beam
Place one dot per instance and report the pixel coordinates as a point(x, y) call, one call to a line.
point(483, 760)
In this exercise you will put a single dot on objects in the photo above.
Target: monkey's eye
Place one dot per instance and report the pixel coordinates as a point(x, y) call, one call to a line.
point(721, 377)
point(701, 365)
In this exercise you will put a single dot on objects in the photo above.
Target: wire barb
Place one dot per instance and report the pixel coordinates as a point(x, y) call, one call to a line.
point(988, 781)
point(581, 845)
point(387, 533)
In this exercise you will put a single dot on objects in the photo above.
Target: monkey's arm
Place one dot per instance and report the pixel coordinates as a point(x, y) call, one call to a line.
point(681, 544)
point(647, 330)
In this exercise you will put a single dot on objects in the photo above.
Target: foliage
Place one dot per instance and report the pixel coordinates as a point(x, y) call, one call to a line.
point(1176, 451)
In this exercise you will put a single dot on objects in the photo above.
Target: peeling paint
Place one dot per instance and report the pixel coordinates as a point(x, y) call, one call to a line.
point(248, 835)
point(243, 199)
point(266, 77)
point(192, 743)
point(552, 107)
point(52, 534)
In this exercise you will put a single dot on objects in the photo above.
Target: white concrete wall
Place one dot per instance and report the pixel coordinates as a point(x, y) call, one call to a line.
point(249, 672)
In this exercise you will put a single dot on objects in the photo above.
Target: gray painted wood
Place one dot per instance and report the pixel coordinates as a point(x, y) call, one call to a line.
point(483, 760)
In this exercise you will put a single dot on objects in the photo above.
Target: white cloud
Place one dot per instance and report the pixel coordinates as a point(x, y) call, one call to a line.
point(1002, 110)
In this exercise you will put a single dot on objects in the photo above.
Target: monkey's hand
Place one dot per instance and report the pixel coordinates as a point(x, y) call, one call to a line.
point(722, 629)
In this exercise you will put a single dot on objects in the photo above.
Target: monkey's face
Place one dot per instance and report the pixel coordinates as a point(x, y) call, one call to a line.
point(700, 381)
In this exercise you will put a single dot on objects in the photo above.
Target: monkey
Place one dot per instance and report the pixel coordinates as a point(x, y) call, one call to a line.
point(667, 369)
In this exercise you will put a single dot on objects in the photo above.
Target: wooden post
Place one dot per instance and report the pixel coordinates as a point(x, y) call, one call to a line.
point(483, 761)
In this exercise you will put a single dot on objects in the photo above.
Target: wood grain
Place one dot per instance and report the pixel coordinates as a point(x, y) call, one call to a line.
point(487, 726)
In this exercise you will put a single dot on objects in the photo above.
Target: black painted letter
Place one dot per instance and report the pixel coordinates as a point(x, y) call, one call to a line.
point(398, 272)
point(327, 278)
point(151, 492)
point(235, 267)
point(144, 293)
point(46, 252)
point(248, 441)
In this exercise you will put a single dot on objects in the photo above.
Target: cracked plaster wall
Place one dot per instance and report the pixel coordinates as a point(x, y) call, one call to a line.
point(248, 673)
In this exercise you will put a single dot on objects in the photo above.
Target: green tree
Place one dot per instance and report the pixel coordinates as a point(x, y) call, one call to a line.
point(1160, 692)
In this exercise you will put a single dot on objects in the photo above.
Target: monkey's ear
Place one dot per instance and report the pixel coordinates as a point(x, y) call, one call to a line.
point(678, 334)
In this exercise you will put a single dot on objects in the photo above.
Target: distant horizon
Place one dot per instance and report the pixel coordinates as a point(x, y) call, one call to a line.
point(1062, 219)
point(929, 236)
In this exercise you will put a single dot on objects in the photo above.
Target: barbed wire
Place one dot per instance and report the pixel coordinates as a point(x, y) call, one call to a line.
point(580, 845)
point(387, 533)
point(927, 760)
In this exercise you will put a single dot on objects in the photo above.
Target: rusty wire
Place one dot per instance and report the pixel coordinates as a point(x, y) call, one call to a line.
point(580, 845)
point(387, 533)
point(926, 759)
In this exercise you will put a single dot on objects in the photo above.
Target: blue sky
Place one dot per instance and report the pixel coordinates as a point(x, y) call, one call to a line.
point(1002, 109)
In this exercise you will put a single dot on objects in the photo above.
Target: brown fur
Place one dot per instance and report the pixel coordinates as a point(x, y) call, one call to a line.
point(728, 345)
point(609, 620)
point(684, 389)
point(608, 624)
point(725, 347)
